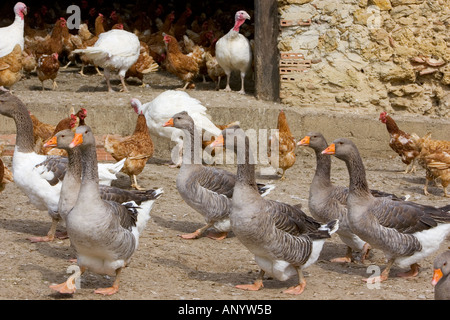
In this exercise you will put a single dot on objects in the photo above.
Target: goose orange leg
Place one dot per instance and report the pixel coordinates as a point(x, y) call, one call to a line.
point(346, 259)
point(383, 276)
point(298, 289)
point(113, 289)
point(258, 284)
point(69, 287)
point(411, 273)
point(50, 234)
point(197, 233)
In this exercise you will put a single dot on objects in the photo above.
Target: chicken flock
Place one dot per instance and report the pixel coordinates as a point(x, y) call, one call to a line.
point(57, 166)
point(189, 47)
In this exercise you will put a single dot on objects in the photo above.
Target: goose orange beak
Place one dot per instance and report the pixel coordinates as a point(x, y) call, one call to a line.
point(51, 143)
point(437, 275)
point(169, 123)
point(304, 141)
point(330, 150)
point(218, 142)
point(77, 140)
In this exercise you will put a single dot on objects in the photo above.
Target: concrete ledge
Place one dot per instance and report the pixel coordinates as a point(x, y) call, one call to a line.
point(112, 114)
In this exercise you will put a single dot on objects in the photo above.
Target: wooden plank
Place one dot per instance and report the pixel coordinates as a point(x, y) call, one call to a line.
point(266, 54)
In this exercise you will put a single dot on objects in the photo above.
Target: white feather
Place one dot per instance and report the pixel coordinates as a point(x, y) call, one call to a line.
point(115, 50)
point(12, 35)
point(430, 240)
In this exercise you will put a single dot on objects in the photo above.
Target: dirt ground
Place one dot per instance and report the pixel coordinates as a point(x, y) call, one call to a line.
point(166, 267)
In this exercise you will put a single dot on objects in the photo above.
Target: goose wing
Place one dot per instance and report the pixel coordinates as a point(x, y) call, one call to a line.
point(407, 217)
point(291, 218)
point(53, 169)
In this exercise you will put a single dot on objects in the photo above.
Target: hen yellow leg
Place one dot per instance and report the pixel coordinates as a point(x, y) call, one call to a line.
point(135, 184)
point(98, 71)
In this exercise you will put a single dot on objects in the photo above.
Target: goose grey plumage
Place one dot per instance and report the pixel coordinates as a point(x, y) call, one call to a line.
point(405, 231)
point(208, 190)
point(38, 176)
point(328, 201)
point(105, 234)
point(441, 276)
point(72, 179)
point(283, 238)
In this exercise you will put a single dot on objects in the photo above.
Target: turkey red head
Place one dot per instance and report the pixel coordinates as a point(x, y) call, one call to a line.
point(136, 105)
point(241, 15)
point(383, 116)
point(239, 19)
point(20, 9)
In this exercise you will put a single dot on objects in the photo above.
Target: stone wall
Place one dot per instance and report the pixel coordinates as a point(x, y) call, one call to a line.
point(369, 55)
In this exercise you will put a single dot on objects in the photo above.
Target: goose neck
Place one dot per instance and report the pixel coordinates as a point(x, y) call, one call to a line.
point(357, 172)
point(89, 167)
point(24, 129)
point(245, 163)
point(192, 145)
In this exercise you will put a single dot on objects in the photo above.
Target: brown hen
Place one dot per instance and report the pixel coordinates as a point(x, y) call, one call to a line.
point(179, 64)
point(434, 156)
point(145, 64)
point(400, 142)
point(47, 69)
point(286, 145)
point(50, 44)
point(136, 148)
point(10, 67)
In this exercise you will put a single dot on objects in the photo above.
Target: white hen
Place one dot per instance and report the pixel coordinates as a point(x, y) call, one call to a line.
point(233, 51)
point(13, 34)
point(164, 106)
point(114, 50)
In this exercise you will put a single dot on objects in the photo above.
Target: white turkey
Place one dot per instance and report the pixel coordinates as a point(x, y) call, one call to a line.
point(163, 107)
point(233, 51)
point(115, 50)
point(13, 34)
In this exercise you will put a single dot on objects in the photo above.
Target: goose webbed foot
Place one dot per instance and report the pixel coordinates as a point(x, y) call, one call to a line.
point(414, 271)
point(113, 289)
point(217, 236)
point(67, 287)
point(197, 233)
point(346, 259)
point(258, 284)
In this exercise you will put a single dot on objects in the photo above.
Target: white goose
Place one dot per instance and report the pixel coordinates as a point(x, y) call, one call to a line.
point(38, 176)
